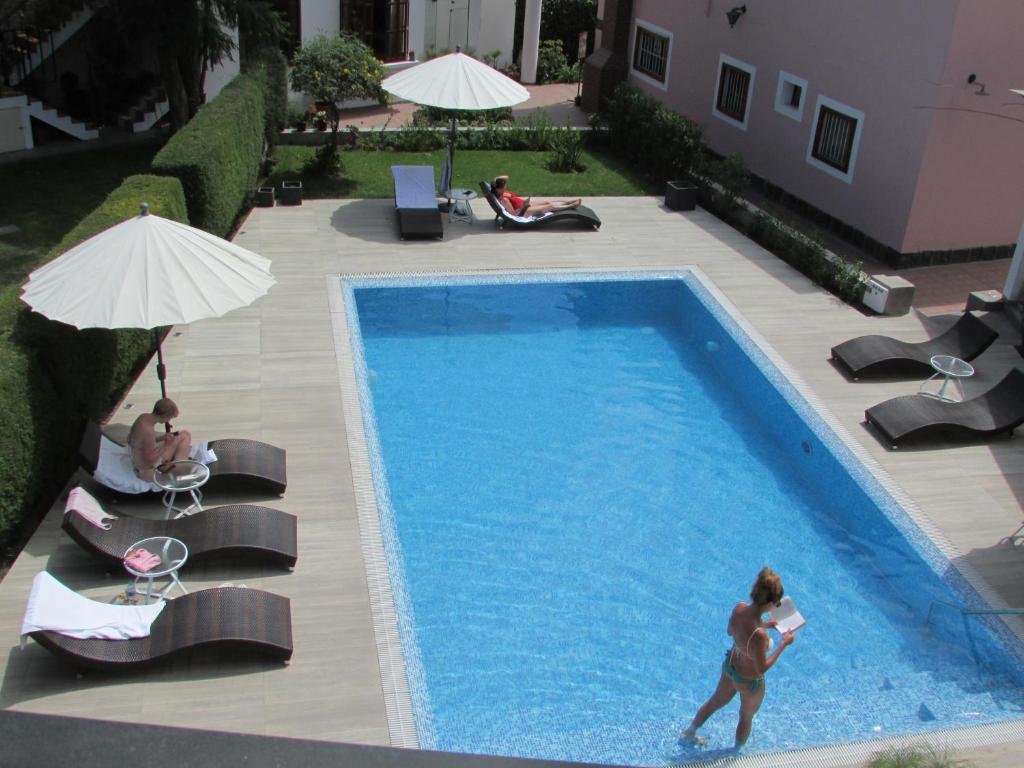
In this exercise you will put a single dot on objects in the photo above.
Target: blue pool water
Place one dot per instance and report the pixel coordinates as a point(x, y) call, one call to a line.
point(578, 481)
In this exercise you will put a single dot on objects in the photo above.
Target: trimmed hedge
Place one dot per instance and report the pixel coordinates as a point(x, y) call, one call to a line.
point(53, 377)
point(271, 69)
point(217, 154)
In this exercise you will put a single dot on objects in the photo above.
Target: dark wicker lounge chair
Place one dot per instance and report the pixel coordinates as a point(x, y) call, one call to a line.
point(261, 466)
point(886, 356)
point(415, 201)
point(244, 621)
point(581, 215)
point(1001, 409)
point(235, 529)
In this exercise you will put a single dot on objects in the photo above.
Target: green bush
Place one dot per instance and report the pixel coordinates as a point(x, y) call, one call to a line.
point(438, 118)
point(217, 155)
point(566, 151)
point(271, 70)
point(661, 143)
point(53, 376)
point(915, 756)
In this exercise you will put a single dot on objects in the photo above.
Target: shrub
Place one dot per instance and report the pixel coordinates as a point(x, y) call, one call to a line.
point(52, 376)
point(916, 756)
point(731, 175)
point(217, 155)
point(662, 143)
point(550, 61)
point(271, 69)
point(436, 117)
point(566, 151)
point(335, 69)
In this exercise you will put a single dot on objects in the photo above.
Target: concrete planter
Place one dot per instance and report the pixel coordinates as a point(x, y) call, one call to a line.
point(265, 197)
point(291, 193)
point(680, 196)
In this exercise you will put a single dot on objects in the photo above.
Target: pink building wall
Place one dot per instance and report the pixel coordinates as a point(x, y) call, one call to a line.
point(970, 191)
point(893, 61)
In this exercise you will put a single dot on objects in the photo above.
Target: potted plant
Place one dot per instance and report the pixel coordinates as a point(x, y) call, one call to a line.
point(320, 120)
point(265, 197)
point(680, 195)
point(297, 118)
point(291, 193)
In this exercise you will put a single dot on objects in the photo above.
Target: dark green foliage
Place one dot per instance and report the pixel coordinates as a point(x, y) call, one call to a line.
point(217, 155)
point(29, 421)
point(552, 66)
point(563, 20)
point(271, 69)
point(566, 151)
point(843, 278)
point(657, 140)
point(435, 116)
point(53, 377)
point(731, 175)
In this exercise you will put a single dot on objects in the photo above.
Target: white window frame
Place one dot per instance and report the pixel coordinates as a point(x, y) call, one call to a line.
point(654, 30)
point(848, 111)
point(782, 105)
point(751, 70)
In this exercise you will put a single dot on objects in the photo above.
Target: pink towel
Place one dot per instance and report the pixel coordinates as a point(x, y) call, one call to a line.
point(82, 503)
point(141, 560)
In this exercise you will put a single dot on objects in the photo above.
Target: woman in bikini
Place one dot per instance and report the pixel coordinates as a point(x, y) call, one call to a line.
point(746, 662)
point(518, 206)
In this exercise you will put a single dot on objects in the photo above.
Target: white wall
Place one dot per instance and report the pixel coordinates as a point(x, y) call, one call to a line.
point(320, 18)
point(223, 73)
point(15, 125)
point(497, 25)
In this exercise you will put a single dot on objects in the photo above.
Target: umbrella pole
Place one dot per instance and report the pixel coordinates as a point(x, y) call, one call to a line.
point(161, 369)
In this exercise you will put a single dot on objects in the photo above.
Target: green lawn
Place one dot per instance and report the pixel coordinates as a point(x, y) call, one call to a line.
point(45, 198)
point(368, 174)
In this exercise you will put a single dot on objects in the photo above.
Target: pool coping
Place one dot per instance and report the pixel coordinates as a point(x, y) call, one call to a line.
point(398, 703)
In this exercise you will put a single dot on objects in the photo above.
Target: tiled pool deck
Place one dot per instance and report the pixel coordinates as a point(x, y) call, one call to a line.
point(271, 372)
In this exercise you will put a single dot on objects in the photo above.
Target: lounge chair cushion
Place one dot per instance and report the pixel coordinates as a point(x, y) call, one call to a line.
point(54, 607)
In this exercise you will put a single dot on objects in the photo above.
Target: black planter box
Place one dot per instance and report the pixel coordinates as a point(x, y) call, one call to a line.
point(680, 196)
point(291, 193)
point(265, 197)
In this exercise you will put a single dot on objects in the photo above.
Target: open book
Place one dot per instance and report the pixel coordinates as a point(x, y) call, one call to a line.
point(786, 616)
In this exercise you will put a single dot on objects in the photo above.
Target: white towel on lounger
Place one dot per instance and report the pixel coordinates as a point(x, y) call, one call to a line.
point(52, 606)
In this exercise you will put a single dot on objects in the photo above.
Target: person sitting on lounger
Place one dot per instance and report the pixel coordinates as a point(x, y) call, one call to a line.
point(150, 449)
point(518, 206)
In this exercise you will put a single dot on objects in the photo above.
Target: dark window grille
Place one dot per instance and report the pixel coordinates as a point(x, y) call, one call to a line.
point(733, 87)
point(650, 54)
point(833, 139)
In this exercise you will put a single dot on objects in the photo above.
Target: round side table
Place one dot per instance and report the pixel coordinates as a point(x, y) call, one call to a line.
point(184, 476)
point(461, 210)
point(951, 369)
point(172, 553)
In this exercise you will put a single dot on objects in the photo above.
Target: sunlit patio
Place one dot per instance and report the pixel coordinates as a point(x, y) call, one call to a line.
point(275, 372)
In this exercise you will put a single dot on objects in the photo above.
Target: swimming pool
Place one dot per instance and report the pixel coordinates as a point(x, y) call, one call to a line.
point(568, 475)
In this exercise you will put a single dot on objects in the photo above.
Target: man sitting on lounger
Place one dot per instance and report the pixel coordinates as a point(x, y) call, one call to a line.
point(518, 206)
point(150, 449)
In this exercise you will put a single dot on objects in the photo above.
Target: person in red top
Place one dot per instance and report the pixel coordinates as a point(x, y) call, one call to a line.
point(519, 206)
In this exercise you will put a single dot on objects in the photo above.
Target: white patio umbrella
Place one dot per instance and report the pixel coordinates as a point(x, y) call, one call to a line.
point(456, 82)
point(147, 272)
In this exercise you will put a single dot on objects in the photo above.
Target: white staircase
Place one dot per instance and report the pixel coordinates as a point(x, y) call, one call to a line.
point(145, 114)
point(61, 121)
point(41, 52)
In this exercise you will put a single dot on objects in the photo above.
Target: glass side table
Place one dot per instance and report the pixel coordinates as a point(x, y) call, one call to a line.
point(183, 476)
point(172, 553)
point(952, 369)
point(461, 210)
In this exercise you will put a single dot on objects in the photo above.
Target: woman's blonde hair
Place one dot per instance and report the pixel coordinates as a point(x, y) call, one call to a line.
point(767, 590)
